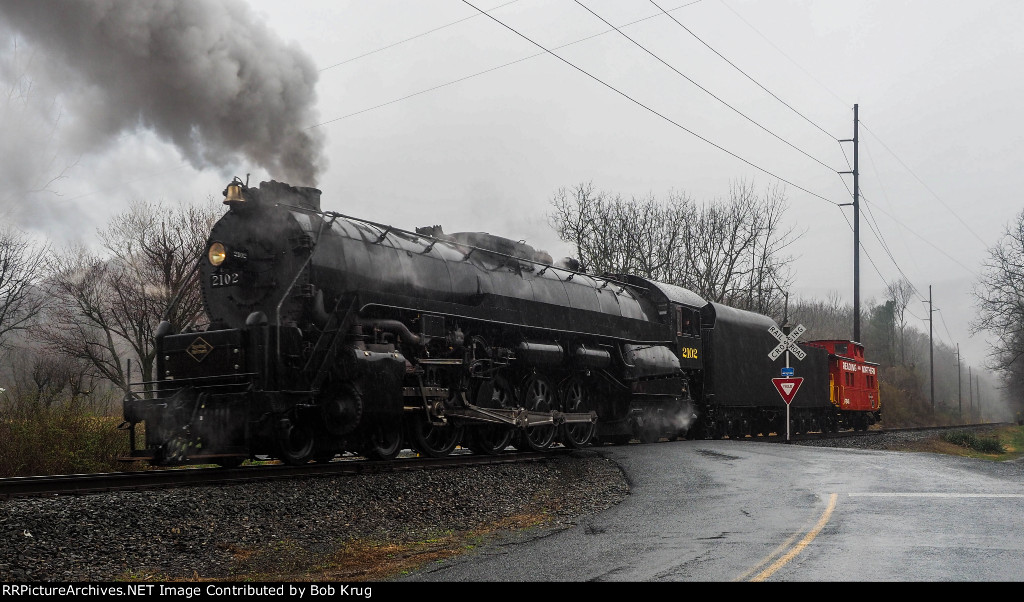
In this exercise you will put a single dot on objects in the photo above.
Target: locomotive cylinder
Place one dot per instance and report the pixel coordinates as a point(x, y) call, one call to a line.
point(590, 357)
point(534, 352)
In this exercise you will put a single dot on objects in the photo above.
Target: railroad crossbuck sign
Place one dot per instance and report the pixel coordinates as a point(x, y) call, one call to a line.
point(787, 388)
point(787, 343)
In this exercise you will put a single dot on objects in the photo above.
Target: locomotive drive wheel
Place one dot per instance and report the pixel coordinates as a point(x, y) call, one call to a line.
point(435, 441)
point(538, 396)
point(575, 400)
point(492, 439)
point(383, 443)
point(294, 441)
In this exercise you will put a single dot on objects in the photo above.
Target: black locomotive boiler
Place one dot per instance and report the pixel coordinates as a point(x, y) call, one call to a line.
point(329, 333)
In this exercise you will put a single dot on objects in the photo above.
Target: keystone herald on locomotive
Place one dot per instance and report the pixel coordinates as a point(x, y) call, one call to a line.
point(329, 334)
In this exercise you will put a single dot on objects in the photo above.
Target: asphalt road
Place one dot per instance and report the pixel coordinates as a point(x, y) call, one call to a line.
point(749, 511)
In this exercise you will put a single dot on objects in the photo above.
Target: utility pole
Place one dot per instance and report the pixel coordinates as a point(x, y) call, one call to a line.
point(856, 224)
point(970, 393)
point(959, 386)
point(977, 383)
point(931, 346)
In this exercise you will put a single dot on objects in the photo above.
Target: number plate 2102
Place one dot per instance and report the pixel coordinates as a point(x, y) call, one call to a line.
point(225, 279)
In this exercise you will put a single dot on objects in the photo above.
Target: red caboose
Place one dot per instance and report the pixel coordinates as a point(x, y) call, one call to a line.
point(853, 383)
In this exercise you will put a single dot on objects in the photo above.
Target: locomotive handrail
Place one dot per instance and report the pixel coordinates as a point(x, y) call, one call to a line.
point(389, 229)
point(185, 380)
point(221, 382)
point(288, 291)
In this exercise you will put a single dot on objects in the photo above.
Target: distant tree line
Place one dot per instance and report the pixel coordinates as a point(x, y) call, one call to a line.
point(731, 250)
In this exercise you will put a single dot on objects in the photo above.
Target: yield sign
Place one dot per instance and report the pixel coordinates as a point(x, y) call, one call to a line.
point(787, 343)
point(787, 387)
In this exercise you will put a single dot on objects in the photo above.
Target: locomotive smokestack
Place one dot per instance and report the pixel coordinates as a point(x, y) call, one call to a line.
point(209, 77)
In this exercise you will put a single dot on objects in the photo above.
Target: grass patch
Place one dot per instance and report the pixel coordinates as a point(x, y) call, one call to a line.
point(357, 560)
point(68, 438)
point(978, 443)
point(997, 444)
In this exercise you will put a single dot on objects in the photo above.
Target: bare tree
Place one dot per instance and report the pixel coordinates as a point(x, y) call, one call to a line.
point(612, 235)
point(1000, 294)
point(825, 319)
point(108, 306)
point(727, 251)
point(38, 376)
point(900, 292)
point(21, 265)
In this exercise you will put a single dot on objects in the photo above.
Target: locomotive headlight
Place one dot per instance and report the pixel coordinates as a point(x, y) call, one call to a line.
point(217, 254)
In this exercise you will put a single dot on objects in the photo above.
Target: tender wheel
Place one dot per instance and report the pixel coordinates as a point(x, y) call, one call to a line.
point(294, 442)
point(538, 396)
point(433, 440)
point(383, 443)
point(575, 401)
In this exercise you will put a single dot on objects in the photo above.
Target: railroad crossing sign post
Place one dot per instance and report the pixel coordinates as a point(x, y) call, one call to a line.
point(789, 384)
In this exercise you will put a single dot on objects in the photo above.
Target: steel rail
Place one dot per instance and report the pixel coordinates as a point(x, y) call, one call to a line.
point(80, 484)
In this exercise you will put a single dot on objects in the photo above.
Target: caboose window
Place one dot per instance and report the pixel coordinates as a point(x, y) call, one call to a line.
point(841, 348)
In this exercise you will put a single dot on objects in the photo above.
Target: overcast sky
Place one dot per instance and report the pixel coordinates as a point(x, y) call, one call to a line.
point(432, 113)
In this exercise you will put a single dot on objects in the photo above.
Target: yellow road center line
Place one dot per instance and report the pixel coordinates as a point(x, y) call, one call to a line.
point(802, 543)
point(778, 550)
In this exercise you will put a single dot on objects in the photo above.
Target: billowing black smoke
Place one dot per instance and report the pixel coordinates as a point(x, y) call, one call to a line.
point(206, 75)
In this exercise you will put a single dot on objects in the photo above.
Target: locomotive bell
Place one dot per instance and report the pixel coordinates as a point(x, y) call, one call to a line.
point(233, 194)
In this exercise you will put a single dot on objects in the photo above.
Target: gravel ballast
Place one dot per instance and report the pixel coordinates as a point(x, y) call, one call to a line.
point(208, 532)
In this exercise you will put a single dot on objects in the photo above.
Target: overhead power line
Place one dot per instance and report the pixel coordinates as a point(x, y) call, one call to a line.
point(485, 71)
point(868, 255)
point(911, 172)
point(419, 35)
point(705, 90)
point(647, 108)
point(936, 247)
point(779, 50)
point(878, 233)
point(745, 74)
point(885, 195)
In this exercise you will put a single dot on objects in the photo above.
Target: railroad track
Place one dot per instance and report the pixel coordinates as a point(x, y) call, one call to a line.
point(177, 477)
point(846, 434)
point(79, 484)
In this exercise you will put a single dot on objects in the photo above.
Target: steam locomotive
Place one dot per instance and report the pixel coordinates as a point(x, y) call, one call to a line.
point(332, 334)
